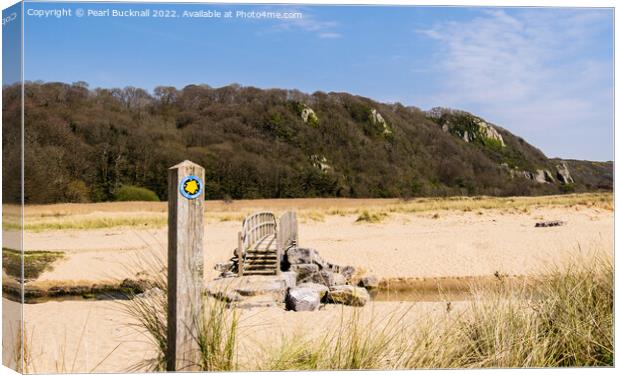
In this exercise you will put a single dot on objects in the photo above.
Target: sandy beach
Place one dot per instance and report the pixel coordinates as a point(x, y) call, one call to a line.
point(414, 245)
point(88, 335)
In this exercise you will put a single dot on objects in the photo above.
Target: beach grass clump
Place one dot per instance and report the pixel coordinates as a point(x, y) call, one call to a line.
point(356, 342)
point(562, 319)
point(317, 216)
point(35, 262)
point(372, 217)
point(217, 329)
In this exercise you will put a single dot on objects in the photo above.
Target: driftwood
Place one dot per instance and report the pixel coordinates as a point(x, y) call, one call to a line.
point(552, 223)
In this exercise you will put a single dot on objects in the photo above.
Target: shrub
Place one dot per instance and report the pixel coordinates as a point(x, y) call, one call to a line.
point(135, 193)
point(77, 192)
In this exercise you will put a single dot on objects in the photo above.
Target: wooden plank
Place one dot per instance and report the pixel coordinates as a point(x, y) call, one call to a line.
point(185, 265)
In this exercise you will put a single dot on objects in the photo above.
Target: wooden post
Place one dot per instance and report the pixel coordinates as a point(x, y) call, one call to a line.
point(239, 254)
point(185, 264)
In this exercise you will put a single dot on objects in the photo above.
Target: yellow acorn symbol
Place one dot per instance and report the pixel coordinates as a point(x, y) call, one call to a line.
point(191, 187)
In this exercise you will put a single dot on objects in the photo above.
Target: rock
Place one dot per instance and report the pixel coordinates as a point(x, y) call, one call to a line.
point(309, 116)
point(223, 267)
point(489, 132)
point(377, 119)
point(563, 174)
point(320, 162)
point(527, 174)
point(347, 272)
point(325, 277)
point(304, 270)
point(543, 176)
point(319, 288)
point(338, 279)
point(369, 282)
point(466, 136)
point(290, 278)
point(302, 299)
point(237, 289)
point(548, 177)
point(348, 295)
point(552, 223)
point(137, 286)
point(301, 255)
point(152, 293)
point(257, 302)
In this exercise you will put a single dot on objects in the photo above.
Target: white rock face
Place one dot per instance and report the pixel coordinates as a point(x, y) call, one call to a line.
point(320, 162)
point(466, 136)
point(543, 176)
point(308, 114)
point(564, 174)
point(490, 132)
point(377, 119)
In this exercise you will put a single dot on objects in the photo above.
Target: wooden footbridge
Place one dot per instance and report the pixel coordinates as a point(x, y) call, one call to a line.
point(262, 242)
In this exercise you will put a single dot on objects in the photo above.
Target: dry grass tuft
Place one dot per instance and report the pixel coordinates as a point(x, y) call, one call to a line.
point(371, 217)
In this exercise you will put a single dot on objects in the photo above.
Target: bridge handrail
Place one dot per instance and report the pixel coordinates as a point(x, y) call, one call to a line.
point(287, 231)
point(256, 227)
point(260, 225)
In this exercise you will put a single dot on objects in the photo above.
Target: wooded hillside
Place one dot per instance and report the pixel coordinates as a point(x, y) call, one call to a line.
point(91, 145)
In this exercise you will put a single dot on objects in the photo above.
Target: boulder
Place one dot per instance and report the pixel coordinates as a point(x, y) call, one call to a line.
point(304, 270)
point(348, 295)
point(302, 299)
point(347, 272)
point(224, 267)
point(319, 288)
point(302, 255)
point(563, 174)
point(238, 289)
point(369, 282)
point(137, 286)
point(290, 278)
point(325, 277)
point(152, 293)
point(337, 279)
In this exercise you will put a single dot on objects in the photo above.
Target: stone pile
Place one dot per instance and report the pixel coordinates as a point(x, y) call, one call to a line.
point(320, 281)
point(306, 281)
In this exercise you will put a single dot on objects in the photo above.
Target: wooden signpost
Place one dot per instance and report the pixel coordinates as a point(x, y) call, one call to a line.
point(185, 264)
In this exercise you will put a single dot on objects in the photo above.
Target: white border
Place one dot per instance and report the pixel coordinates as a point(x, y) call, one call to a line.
point(504, 3)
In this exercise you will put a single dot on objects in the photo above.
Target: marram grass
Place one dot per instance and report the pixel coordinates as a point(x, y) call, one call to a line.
point(562, 318)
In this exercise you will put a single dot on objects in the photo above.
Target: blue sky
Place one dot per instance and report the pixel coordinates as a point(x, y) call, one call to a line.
point(545, 74)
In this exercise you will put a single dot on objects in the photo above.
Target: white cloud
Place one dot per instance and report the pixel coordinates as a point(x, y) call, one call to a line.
point(330, 35)
point(531, 71)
